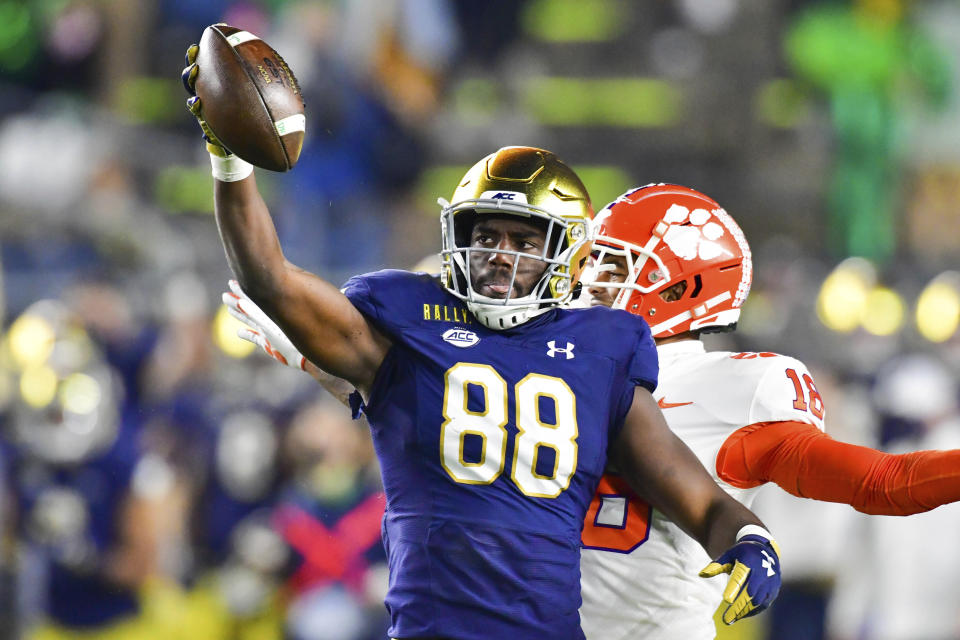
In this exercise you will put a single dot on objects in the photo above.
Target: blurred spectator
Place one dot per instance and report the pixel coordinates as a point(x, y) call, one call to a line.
point(47, 45)
point(179, 367)
point(403, 49)
point(498, 20)
point(111, 319)
point(370, 74)
point(330, 516)
point(238, 560)
point(898, 580)
point(89, 500)
point(813, 535)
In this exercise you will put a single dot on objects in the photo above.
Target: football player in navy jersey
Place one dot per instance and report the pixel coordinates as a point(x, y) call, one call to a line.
point(87, 500)
point(492, 409)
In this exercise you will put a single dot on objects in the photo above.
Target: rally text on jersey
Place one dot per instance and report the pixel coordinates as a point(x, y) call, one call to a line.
point(446, 313)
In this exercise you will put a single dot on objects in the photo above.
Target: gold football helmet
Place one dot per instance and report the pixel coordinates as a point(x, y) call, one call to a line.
point(529, 183)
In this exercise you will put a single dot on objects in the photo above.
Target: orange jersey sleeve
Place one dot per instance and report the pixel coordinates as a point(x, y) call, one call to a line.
point(808, 463)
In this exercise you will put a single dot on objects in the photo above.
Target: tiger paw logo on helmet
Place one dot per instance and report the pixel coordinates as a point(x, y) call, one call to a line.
point(688, 264)
point(698, 238)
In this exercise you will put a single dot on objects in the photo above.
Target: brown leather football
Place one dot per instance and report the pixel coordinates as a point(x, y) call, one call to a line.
point(250, 97)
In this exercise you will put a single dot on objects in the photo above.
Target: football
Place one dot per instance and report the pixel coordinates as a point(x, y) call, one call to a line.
point(250, 97)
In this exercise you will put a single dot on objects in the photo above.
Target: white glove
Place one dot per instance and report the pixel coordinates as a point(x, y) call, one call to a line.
point(261, 331)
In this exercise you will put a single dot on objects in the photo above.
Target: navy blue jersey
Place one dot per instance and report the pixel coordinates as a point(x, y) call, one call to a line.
point(83, 599)
point(491, 444)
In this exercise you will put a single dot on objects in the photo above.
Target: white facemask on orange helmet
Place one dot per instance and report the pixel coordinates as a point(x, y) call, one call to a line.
point(670, 235)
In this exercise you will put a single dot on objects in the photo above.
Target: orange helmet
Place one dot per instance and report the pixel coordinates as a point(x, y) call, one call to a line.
point(670, 235)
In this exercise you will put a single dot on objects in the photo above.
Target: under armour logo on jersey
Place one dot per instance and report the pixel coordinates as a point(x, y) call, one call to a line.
point(767, 563)
point(553, 350)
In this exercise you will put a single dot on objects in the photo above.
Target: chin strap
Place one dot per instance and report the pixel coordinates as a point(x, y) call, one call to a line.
point(500, 317)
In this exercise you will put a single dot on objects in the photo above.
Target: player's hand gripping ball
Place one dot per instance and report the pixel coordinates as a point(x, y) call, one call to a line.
point(245, 98)
point(189, 77)
point(754, 567)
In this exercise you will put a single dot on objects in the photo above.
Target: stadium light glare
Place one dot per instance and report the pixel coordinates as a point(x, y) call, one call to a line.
point(31, 340)
point(38, 386)
point(842, 300)
point(80, 394)
point(938, 308)
point(225, 335)
point(884, 312)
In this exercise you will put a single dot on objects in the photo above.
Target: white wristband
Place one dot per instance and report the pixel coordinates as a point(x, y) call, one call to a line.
point(756, 530)
point(230, 169)
point(753, 529)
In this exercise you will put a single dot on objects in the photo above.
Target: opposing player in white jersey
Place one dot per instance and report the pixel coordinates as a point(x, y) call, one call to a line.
point(672, 255)
point(675, 257)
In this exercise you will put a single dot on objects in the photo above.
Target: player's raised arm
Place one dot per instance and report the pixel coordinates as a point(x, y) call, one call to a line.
point(663, 470)
point(264, 332)
point(313, 313)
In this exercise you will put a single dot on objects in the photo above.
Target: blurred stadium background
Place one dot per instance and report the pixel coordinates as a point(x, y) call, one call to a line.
point(163, 480)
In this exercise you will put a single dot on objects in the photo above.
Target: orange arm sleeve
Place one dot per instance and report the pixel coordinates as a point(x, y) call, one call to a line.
point(808, 463)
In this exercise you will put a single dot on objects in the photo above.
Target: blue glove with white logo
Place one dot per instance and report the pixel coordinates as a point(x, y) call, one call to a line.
point(754, 567)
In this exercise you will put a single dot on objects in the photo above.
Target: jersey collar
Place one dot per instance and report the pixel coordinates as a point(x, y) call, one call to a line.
point(681, 347)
